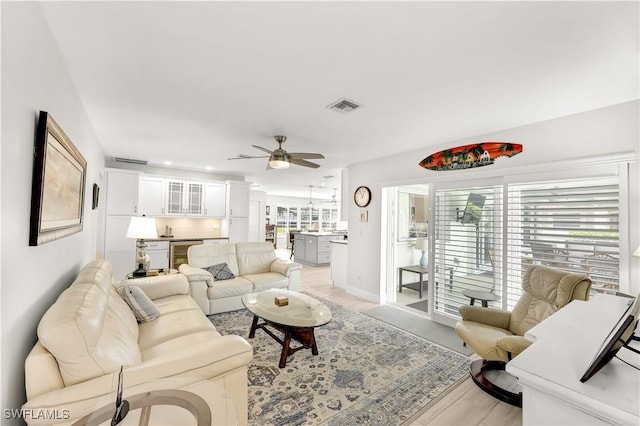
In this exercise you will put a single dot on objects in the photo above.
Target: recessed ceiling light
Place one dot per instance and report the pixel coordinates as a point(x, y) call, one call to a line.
point(209, 168)
point(167, 163)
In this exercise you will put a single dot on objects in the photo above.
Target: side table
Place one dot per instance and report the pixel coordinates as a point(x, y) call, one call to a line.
point(163, 272)
point(484, 296)
point(416, 269)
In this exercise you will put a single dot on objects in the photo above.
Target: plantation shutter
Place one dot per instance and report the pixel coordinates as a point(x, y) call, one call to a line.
point(467, 231)
point(570, 225)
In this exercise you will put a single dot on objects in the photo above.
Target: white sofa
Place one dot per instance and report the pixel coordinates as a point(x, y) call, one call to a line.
point(89, 332)
point(254, 265)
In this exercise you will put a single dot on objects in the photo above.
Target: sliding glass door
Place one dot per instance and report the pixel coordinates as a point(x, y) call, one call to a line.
point(487, 236)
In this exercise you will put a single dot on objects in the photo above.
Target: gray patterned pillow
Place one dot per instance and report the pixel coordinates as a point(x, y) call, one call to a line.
point(141, 306)
point(220, 272)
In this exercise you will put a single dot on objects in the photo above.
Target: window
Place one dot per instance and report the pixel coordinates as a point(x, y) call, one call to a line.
point(413, 215)
point(569, 225)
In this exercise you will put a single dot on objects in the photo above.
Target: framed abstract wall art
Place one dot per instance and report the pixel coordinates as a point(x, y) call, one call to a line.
point(57, 190)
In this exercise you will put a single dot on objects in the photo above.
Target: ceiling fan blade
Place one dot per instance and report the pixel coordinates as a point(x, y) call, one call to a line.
point(311, 155)
point(245, 157)
point(262, 149)
point(305, 163)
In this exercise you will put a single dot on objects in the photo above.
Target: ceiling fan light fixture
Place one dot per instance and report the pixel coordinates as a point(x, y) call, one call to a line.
point(279, 164)
point(279, 161)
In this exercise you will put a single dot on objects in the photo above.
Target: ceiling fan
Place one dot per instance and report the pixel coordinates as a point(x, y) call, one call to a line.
point(281, 159)
point(333, 200)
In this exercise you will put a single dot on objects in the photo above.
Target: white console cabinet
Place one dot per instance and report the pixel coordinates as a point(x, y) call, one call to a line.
point(564, 347)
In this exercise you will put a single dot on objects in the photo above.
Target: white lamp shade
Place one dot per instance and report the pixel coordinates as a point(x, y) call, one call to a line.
point(421, 244)
point(142, 227)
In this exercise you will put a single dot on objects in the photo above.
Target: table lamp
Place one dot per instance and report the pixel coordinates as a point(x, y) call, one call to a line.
point(141, 228)
point(421, 244)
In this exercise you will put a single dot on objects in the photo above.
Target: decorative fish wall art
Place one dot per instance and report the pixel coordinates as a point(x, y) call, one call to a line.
point(469, 156)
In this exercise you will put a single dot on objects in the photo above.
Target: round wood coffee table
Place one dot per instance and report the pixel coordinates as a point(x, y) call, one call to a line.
point(297, 319)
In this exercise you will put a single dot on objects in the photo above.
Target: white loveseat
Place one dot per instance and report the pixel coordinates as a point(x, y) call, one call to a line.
point(254, 265)
point(90, 332)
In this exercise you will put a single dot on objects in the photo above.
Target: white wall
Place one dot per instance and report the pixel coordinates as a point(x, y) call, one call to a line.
point(35, 78)
point(595, 133)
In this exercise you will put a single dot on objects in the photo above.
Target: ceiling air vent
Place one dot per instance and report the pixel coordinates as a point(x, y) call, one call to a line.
point(345, 105)
point(130, 161)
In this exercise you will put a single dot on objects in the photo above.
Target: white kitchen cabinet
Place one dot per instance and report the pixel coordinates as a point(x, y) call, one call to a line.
point(215, 200)
point(158, 252)
point(119, 250)
point(238, 229)
point(122, 193)
point(184, 198)
point(238, 196)
point(151, 192)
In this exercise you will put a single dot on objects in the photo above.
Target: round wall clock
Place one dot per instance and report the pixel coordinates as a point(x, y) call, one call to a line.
point(362, 196)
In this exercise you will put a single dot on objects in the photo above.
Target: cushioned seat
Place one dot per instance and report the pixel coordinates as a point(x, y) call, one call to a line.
point(228, 288)
point(178, 343)
point(267, 280)
point(172, 325)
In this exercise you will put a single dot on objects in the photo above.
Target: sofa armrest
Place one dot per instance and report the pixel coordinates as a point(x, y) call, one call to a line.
point(196, 274)
point(199, 282)
point(488, 316)
point(284, 267)
point(161, 286)
point(205, 361)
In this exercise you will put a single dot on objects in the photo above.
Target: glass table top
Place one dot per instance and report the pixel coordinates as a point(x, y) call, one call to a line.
point(302, 310)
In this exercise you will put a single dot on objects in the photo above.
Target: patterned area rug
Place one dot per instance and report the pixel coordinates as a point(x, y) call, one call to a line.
point(367, 373)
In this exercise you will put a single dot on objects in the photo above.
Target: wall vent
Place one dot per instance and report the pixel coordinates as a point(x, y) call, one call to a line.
point(344, 105)
point(129, 161)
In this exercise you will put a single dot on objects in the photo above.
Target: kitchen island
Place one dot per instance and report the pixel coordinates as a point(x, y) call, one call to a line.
point(312, 248)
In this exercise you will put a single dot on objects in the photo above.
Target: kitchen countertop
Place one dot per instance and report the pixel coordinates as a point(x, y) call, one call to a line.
point(185, 238)
point(319, 233)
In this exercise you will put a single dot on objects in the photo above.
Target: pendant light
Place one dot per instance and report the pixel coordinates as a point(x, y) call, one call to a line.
point(310, 205)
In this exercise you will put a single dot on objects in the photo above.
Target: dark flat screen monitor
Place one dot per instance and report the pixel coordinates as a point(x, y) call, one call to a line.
point(473, 211)
point(619, 336)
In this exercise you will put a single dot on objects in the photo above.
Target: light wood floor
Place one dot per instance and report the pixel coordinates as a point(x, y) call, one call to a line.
point(464, 405)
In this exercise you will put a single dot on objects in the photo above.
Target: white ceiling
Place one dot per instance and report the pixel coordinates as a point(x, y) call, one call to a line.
point(197, 82)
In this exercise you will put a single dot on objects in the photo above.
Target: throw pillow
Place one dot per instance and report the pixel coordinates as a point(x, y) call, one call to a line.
point(141, 306)
point(220, 272)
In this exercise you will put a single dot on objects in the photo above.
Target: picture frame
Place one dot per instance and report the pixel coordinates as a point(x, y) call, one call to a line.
point(268, 210)
point(58, 185)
